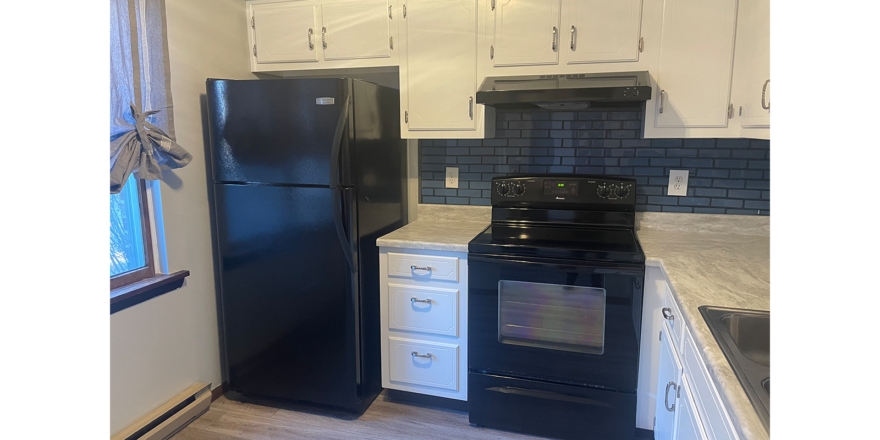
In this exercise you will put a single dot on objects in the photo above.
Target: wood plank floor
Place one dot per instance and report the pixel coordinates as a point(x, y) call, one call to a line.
point(385, 419)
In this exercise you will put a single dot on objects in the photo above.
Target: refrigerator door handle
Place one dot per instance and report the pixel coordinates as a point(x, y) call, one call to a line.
point(337, 142)
point(344, 241)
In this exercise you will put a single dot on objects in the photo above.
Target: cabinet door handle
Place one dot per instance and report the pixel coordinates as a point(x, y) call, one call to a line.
point(389, 11)
point(666, 396)
point(311, 45)
point(572, 37)
point(428, 268)
point(324, 37)
point(471, 107)
point(764, 94)
point(662, 99)
point(416, 300)
point(554, 38)
point(426, 355)
point(667, 314)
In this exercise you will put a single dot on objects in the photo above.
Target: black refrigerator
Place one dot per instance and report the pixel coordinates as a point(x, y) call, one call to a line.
point(307, 174)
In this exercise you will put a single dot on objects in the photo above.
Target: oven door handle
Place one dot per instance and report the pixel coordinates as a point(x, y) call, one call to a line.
point(561, 265)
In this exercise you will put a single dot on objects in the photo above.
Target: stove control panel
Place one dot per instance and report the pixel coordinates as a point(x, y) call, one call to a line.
point(563, 190)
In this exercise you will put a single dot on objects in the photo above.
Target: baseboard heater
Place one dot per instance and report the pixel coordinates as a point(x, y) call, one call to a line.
point(174, 415)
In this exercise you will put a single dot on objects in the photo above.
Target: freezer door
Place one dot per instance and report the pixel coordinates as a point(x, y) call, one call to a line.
point(274, 131)
point(287, 298)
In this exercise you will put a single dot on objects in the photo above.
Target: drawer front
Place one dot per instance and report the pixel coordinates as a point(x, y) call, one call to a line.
point(429, 364)
point(715, 419)
point(423, 309)
point(422, 267)
point(672, 316)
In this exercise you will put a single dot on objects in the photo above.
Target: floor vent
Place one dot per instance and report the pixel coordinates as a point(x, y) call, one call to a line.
point(172, 416)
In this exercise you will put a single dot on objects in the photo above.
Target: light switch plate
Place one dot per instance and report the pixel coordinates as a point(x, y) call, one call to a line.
point(678, 182)
point(452, 177)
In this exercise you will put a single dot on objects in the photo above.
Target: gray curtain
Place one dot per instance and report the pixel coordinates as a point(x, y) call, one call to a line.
point(141, 116)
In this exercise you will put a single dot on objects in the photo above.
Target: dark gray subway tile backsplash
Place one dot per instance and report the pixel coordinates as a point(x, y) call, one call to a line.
point(727, 176)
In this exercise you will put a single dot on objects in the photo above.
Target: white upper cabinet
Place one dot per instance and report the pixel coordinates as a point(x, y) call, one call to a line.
point(356, 29)
point(751, 65)
point(526, 32)
point(284, 32)
point(696, 58)
point(602, 31)
point(439, 65)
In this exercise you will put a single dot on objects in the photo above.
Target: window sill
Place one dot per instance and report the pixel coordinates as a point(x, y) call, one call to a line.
point(124, 297)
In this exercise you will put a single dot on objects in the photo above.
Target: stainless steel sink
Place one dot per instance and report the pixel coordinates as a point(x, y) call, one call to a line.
point(744, 337)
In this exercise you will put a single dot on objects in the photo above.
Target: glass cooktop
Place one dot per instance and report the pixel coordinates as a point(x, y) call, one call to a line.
point(618, 245)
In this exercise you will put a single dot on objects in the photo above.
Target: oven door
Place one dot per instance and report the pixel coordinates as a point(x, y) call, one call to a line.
point(563, 321)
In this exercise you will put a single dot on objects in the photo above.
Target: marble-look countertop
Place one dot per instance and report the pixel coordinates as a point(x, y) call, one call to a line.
point(440, 228)
point(435, 235)
point(723, 270)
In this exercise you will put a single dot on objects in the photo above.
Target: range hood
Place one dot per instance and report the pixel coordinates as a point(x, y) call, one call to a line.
point(559, 92)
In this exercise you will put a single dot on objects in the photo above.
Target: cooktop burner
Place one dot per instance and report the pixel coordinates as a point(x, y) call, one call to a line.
point(562, 217)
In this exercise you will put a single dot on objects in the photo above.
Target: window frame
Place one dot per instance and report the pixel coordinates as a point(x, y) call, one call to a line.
point(133, 276)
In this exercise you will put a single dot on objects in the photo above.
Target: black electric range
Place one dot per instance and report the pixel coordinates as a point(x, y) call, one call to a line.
point(554, 303)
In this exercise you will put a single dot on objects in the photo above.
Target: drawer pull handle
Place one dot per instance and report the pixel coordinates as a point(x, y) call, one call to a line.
point(426, 355)
point(667, 314)
point(420, 268)
point(416, 300)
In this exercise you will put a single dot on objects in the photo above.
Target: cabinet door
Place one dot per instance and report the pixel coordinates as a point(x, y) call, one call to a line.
point(526, 32)
point(603, 31)
point(356, 29)
point(751, 64)
point(696, 55)
point(688, 425)
point(441, 64)
point(668, 383)
point(284, 32)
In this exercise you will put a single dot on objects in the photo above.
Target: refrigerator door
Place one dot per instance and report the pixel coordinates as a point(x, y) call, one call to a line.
point(288, 302)
point(379, 171)
point(274, 131)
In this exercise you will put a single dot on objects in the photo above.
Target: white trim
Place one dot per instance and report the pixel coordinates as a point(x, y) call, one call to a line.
point(157, 226)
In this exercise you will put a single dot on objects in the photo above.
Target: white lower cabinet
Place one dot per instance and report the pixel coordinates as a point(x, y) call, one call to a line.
point(688, 425)
point(423, 311)
point(676, 398)
point(429, 364)
point(668, 383)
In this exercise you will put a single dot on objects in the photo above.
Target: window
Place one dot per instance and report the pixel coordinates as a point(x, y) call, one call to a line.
point(131, 254)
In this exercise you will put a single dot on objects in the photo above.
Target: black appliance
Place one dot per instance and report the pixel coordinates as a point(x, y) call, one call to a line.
point(307, 174)
point(567, 91)
point(554, 308)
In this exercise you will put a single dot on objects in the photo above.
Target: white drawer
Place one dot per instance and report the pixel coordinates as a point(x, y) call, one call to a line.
point(437, 367)
point(672, 316)
point(715, 418)
point(422, 267)
point(423, 309)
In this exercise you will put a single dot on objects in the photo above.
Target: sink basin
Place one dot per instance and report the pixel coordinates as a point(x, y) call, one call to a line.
point(744, 337)
point(751, 335)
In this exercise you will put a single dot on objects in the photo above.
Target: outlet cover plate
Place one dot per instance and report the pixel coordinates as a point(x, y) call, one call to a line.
point(678, 182)
point(452, 177)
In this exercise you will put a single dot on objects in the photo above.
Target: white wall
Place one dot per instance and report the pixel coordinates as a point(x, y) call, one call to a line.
point(163, 345)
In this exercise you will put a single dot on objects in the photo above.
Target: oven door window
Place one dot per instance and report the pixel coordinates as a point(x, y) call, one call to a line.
point(552, 316)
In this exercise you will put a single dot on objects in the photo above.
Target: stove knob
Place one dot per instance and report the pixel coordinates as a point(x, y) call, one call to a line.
point(519, 189)
point(603, 191)
point(622, 191)
point(503, 189)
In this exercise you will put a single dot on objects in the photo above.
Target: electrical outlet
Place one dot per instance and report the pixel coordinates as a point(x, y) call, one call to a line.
point(452, 177)
point(678, 182)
